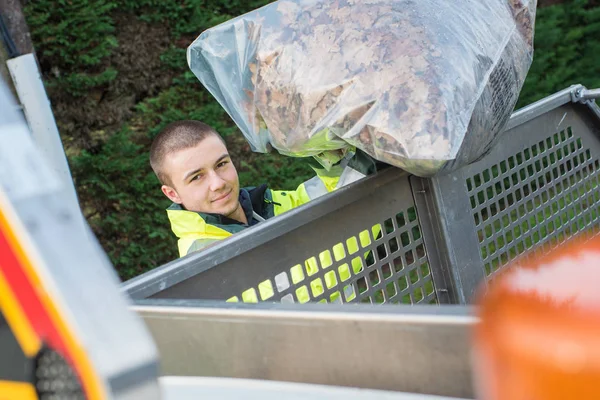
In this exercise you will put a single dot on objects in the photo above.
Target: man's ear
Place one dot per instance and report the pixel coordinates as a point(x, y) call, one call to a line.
point(171, 194)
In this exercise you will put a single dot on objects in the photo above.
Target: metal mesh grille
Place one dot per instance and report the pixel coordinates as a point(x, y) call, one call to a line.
point(384, 264)
point(535, 199)
point(55, 379)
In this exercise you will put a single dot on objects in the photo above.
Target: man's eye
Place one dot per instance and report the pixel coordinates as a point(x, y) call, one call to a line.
point(195, 178)
point(221, 164)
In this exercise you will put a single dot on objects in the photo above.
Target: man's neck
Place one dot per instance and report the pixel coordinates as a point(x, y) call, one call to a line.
point(239, 215)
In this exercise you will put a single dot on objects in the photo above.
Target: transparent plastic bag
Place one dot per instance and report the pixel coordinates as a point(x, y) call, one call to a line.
point(424, 85)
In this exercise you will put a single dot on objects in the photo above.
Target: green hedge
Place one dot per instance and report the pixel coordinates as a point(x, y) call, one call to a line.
point(72, 39)
point(567, 50)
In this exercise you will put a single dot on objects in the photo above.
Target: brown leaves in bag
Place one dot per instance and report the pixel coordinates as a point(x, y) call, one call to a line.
point(364, 71)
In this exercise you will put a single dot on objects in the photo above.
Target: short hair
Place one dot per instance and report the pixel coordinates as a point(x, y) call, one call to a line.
point(176, 136)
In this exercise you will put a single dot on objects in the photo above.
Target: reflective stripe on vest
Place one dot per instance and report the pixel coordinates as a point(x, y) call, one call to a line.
point(316, 187)
point(199, 244)
point(189, 227)
point(349, 176)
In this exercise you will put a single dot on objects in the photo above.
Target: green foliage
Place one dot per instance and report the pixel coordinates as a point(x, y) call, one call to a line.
point(75, 38)
point(72, 39)
point(79, 83)
point(567, 50)
point(123, 205)
point(76, 32)
point(189, 16)
point(174, 58)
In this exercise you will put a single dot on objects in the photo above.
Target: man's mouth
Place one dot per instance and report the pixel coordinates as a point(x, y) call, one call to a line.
point(222, 197)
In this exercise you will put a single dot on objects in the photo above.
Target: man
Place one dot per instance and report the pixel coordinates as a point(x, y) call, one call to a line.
point(197, 174)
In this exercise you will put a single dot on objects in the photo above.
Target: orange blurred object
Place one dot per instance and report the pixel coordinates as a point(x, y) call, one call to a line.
point(539, 336)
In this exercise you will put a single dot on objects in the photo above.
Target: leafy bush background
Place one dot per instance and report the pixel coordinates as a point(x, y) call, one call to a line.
point(116, 73)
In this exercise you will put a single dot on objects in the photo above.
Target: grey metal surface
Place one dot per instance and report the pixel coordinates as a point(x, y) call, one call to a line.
point(536, 189)
point(38, 113)
point(74, 273)
point(544, 105)
point(591, 94)
point(194, 388)
point(414, 349)
point(314, 253)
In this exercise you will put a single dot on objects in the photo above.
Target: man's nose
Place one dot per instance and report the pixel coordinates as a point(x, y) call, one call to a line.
point(216, 182)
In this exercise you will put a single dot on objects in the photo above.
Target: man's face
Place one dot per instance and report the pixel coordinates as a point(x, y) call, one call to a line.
point(204, 178)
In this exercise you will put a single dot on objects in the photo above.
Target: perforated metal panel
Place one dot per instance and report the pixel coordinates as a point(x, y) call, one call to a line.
point(364, 245)
point(536, 189)
point(535, 199)
point(386, 263)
